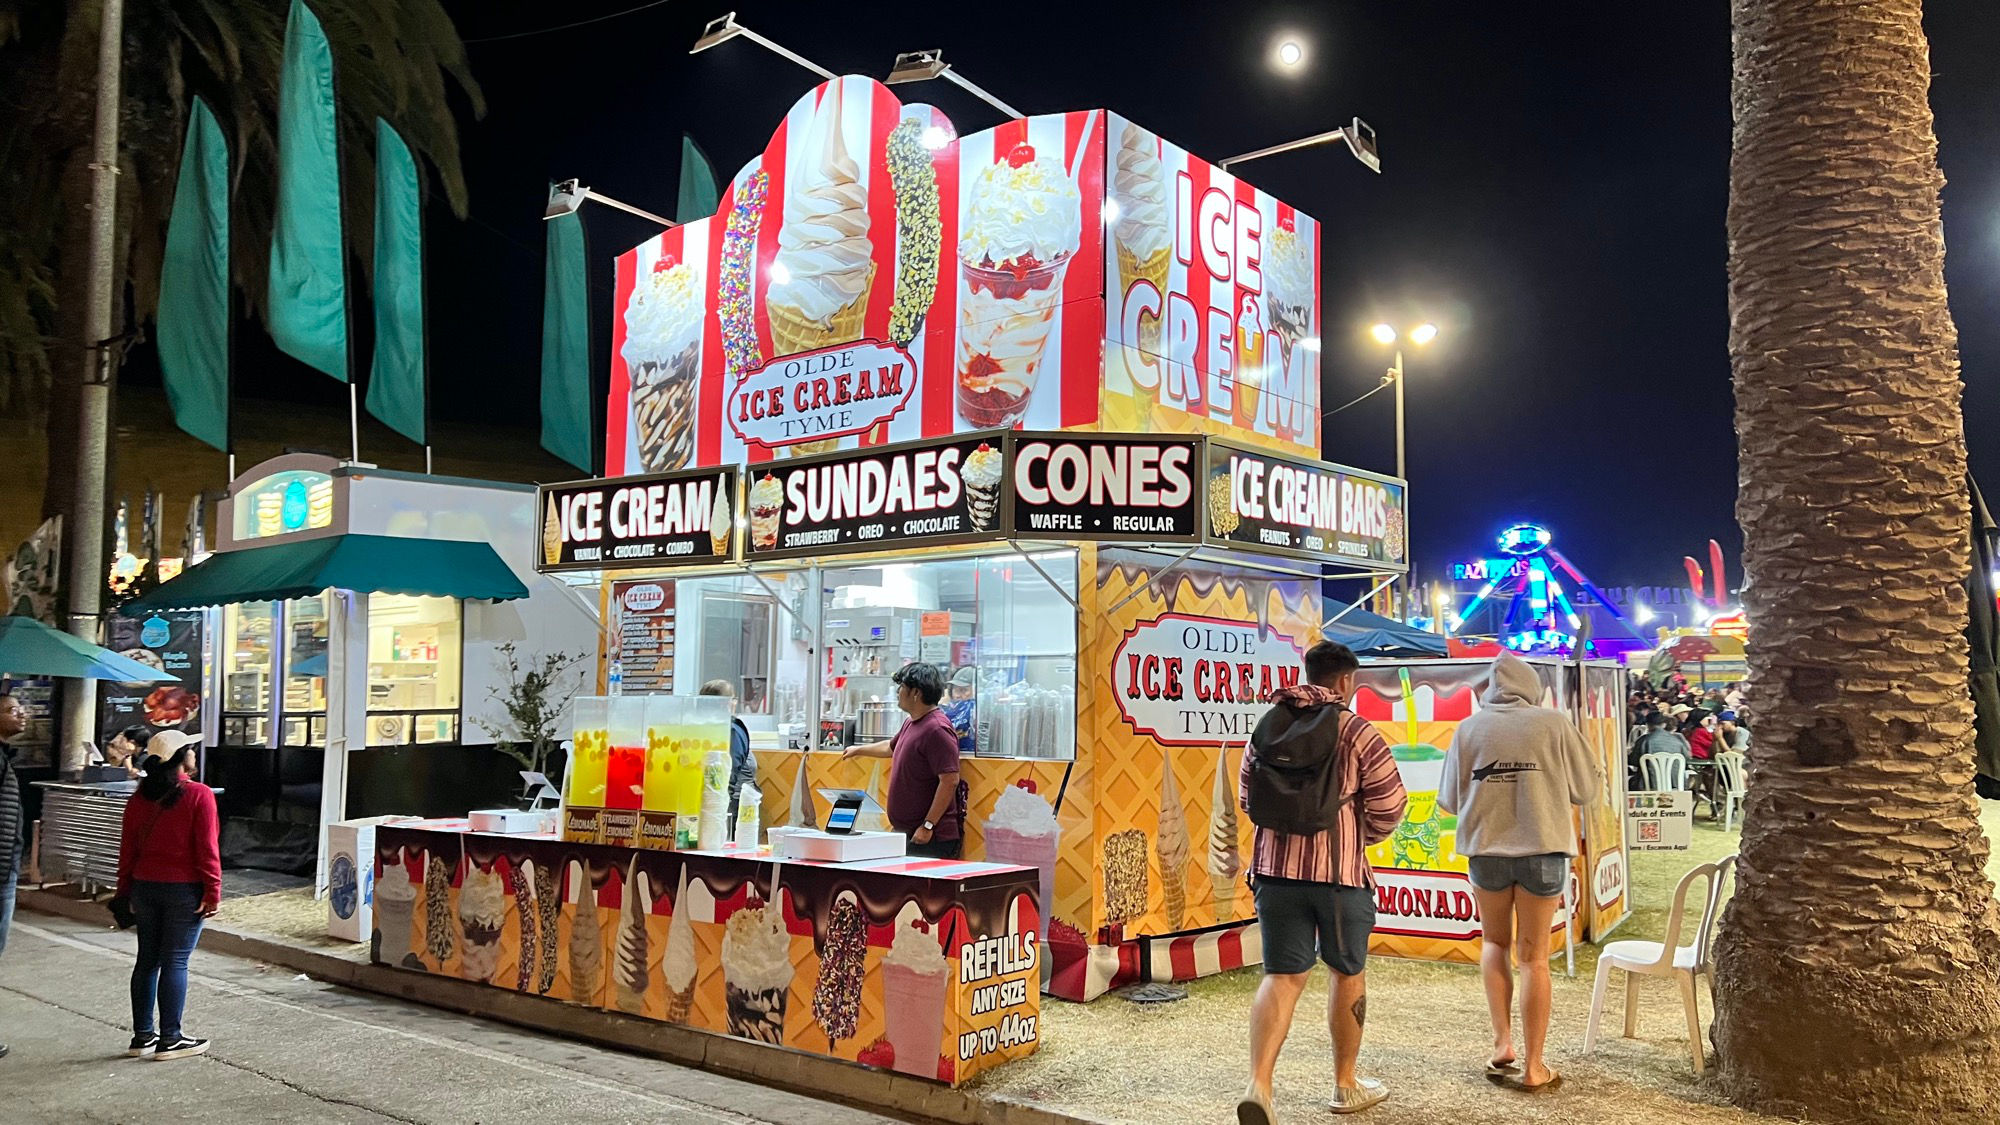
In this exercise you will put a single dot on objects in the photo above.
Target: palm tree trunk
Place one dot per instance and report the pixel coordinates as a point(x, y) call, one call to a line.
point(1858, 967)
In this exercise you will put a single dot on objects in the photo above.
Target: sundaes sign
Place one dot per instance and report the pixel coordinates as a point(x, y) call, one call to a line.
point(1106, 488)
point(663, 520)
point(1200, 681)
point(1287, 506)
point(822, 395)
point(927, 492)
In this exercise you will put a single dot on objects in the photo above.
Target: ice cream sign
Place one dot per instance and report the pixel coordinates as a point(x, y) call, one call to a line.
point(922, 492)
point(1284, 505)
point(823, 395)
point(1186, 680)
point(873, 276)
point(665, 520)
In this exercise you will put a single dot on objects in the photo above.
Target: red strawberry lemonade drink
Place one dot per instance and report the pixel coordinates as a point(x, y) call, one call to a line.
point(1023, 831)
point(916, 976)
point(1022, 226)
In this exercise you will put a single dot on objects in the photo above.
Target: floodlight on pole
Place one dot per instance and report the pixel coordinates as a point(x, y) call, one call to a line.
point(566, 197)
point(922, 66)
point(724, 28)
point(1358, 135)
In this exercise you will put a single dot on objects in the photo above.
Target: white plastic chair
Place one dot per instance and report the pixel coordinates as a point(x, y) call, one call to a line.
point(1732, 767)
point(1666, 773)
point(1684, 963)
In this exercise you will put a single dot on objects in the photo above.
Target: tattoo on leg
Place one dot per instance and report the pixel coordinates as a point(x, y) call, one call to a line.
point(1360, 1011)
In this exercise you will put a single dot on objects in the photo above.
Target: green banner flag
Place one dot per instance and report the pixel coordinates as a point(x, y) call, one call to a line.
point(194, 285)
point(566, 414)
point(699, 197)
point(396, 388)
point(308, 292)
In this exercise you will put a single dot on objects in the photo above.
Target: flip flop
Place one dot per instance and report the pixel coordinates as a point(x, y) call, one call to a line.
point(1551, 1086)
point(1501, 1070)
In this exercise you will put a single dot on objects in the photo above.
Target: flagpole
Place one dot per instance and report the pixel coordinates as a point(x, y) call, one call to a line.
point(86, 531)
point(353, 418)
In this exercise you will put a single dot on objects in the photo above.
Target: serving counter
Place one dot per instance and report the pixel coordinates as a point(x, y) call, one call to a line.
point(925, 967)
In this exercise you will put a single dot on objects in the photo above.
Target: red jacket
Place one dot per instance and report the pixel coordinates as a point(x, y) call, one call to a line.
point(180, 844)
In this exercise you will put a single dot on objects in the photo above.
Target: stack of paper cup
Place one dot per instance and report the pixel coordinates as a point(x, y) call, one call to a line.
point(714, 831)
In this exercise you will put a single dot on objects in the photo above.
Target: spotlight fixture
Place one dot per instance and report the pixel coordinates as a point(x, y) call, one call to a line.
point(724, 28)
point(567, 196)
point(922, 66)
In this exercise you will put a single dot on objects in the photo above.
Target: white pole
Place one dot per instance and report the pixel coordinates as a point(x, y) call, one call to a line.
point(346, 713)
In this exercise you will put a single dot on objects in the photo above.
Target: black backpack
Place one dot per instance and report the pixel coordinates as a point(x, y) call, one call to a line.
point(1295, 770)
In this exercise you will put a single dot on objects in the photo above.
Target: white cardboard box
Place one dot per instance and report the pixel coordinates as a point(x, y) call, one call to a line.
point(350, 892)
point(810, 843)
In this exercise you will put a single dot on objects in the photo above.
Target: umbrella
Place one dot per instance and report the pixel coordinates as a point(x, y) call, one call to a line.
point(30, 648)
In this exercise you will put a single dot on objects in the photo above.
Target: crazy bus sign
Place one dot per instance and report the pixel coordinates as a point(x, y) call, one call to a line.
point(670, 519)
point(1284, 505)
point(1186, 680)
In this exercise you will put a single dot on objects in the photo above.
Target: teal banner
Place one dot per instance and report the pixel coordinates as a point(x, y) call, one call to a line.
point(566, 418)
point(699, 197)
point(308, 291)
point(396, 391)
point(194, 285)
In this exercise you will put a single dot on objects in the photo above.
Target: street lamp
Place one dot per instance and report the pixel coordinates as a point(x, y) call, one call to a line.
point(1386, 335)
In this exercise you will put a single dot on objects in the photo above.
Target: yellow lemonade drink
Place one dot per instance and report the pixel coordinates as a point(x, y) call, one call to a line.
point(656, 812)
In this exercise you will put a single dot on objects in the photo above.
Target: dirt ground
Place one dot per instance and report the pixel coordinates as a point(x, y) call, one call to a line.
point(1115, 1061)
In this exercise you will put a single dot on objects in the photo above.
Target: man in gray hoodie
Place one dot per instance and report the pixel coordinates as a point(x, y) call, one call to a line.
point(1513, 773)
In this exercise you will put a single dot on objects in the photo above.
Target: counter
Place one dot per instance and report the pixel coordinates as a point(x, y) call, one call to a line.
point(82, 826)
point(925, 967)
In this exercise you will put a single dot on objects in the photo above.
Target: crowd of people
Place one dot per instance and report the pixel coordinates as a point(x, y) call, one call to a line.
point(1676, 718)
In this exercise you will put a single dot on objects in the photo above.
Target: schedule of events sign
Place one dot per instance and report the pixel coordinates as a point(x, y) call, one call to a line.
point(1291, 506)
point(669, 519)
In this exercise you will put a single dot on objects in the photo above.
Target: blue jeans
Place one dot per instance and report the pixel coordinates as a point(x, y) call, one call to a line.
point(169, 925)
point(7, 901)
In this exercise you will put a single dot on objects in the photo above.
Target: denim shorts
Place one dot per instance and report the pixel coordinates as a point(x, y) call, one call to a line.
point(1299, 919)
point(1539, 875)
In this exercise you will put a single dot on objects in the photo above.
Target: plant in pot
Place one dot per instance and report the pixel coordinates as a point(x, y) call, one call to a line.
point(535, 696)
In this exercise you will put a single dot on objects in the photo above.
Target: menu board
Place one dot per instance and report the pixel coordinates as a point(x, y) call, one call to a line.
point(1117, 487)
point(171, 642)
point(643, 639)
point(924, 493)
point(1292, 506)
point(668, 519)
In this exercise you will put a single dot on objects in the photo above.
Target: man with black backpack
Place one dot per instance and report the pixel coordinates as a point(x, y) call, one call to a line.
point(1320, 786)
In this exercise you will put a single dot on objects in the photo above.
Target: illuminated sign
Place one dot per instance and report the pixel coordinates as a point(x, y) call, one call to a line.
point(282, 503)
point(1488, 570)
point(1525, 539)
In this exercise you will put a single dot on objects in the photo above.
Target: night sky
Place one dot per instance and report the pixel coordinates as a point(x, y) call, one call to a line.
point(1553, 190)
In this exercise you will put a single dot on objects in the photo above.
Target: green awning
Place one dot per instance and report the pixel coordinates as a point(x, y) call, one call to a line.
point(371, 564)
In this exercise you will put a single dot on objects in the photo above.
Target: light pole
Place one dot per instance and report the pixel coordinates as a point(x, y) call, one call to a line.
point(1386, 334)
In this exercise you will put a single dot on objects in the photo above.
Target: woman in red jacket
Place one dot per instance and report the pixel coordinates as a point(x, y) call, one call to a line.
point(170, 864)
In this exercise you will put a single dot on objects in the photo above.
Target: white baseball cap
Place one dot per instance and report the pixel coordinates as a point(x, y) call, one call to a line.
point(167, 743)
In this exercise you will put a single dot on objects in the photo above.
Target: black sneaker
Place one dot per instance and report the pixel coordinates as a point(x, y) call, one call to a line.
point(142, 1045)
point(180, 1048)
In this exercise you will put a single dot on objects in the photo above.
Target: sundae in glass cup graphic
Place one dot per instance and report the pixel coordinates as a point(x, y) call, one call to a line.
point(1022, 227)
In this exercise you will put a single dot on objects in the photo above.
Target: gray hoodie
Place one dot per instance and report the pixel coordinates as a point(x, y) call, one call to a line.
point(1515, 769)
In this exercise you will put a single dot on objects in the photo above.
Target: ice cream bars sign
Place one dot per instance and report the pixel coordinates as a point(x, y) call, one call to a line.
point(1285, 505)
point(666, 520)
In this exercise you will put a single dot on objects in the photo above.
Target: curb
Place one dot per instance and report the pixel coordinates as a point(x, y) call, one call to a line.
point(794, 1071)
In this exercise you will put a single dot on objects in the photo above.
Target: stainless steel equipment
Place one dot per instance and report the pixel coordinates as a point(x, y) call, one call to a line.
point(875, 721)
point(81, 828)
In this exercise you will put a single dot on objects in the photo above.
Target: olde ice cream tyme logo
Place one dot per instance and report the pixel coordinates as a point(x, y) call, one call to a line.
point(820, 395)
point(1197, 681)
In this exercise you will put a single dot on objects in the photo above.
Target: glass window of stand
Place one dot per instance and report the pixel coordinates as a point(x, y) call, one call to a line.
point(1005, 638)
point(249, 658)
point(414, 650)
point(751, 633)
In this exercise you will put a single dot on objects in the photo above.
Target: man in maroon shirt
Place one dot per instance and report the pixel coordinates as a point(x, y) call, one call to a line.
point(924, 799)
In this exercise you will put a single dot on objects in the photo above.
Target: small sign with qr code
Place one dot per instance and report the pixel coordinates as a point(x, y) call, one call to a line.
point(1659, 821)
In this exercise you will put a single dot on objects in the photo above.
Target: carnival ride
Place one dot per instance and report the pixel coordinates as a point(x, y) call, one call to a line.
point(1540, 608)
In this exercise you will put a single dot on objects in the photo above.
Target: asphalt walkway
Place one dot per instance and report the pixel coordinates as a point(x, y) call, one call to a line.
point(288, 1048)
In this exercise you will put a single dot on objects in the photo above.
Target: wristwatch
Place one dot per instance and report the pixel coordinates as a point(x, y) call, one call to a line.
point(929, 827)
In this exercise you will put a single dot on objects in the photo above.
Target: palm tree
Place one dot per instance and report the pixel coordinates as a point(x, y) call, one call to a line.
point(397, 59)
point(1859, 963)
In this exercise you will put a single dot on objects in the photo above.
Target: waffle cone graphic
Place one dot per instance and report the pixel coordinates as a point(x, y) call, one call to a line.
point(1153, 268)
point(792, 332)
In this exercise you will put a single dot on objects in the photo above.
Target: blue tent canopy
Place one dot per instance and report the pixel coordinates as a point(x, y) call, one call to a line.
point(1371, 634)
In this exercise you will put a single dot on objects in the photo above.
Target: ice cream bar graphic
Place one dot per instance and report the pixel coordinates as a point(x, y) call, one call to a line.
point(1451, 706)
